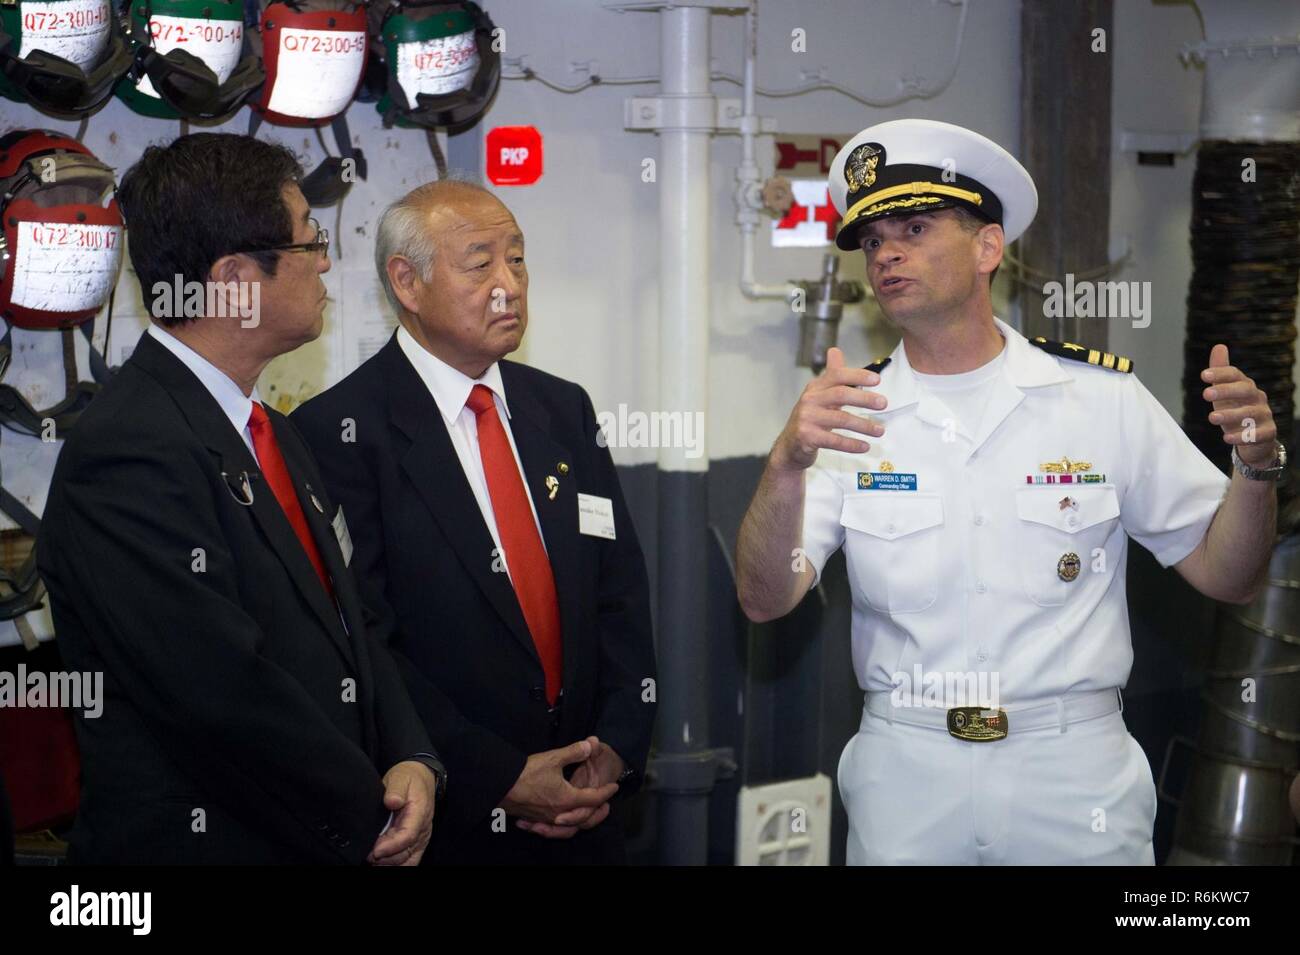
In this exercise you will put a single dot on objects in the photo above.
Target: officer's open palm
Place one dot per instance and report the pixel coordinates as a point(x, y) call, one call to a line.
point(820, 410)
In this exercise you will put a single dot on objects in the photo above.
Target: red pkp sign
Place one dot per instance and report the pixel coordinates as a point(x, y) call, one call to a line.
point(514, 155)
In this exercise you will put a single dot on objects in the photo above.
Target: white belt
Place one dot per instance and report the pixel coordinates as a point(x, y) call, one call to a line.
point(1058, 712)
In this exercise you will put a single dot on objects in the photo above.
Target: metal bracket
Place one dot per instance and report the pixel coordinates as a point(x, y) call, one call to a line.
point(1153, 141)
point(649, 6)
point(1274, 45)
point(687, 112)
point(690, 772)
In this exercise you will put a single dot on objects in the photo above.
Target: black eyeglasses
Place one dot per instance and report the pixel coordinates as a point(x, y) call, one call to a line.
point(319, 245)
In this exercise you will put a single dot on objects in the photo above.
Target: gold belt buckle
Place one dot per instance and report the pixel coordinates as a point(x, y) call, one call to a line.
point(978, 724)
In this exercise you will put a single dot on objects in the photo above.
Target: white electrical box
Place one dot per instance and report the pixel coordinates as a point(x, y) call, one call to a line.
point(786, 823)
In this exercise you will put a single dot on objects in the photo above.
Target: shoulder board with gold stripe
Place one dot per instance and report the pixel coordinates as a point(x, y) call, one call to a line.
point(1089, 356)
point(878, 365)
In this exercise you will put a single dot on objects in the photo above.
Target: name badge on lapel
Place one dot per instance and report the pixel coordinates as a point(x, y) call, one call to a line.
point(340, 526)
point(596, 516)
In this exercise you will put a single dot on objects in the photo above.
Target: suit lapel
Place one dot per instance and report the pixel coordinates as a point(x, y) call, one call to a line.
point(233, 459)
point(436, 473)
point(274, 522)
point(316, 508)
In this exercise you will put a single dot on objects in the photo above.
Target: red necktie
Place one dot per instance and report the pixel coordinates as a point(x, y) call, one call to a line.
point(530, 570)
point(277, 476)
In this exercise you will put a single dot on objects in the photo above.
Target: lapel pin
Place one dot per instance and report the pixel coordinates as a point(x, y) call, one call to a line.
point(552, 485)
point(241, 492)
point(564, 468)
point(314, 502)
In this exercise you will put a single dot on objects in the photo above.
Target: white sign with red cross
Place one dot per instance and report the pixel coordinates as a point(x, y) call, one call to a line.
point(812, 219)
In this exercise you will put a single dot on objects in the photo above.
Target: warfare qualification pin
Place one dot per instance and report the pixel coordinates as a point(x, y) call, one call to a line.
point(1067, 568)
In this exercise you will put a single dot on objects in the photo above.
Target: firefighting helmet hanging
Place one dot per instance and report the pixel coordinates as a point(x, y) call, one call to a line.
point(62, 56)
point(60, 253)
point(314, 52)
point(60, 249)
point(60, 230)
point(441, 62)
point(193, 59)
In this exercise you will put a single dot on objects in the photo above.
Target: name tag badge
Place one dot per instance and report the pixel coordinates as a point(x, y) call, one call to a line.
point(886, 481)
point(340, 526)
point(596, 516)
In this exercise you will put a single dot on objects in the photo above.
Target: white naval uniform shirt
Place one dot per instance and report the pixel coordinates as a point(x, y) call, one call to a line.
point(960, 574)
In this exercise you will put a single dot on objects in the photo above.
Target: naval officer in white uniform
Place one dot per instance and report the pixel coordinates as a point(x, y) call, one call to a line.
point(984, 488)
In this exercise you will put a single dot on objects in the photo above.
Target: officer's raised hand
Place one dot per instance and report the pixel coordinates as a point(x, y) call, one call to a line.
point(1241, 410)
point(820, 409)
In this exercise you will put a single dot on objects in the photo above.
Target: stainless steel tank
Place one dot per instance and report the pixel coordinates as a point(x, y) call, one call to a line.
point(1235, 809)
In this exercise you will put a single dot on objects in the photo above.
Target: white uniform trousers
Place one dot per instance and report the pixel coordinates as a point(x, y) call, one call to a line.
point(1077, 793)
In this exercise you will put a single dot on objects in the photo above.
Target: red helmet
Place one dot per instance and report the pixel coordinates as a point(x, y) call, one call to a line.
point(314, 54)
point(61, 231)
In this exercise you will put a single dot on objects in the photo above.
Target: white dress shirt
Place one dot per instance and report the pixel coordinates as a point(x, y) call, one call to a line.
point(237, 405)
point(970, 569)
point(450, 390)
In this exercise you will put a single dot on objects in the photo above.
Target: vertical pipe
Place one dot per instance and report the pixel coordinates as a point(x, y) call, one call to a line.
point(747, 175)
point(684, 199)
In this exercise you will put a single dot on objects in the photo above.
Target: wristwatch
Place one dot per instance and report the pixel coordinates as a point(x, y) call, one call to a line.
point(1262, 474)
point(435, 766)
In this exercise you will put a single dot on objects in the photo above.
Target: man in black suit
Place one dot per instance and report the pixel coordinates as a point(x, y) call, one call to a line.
point(492, 535)
point(249, 716)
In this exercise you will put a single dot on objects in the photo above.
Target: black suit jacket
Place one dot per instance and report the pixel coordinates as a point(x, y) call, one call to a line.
point(226, 665)
point(424, 561)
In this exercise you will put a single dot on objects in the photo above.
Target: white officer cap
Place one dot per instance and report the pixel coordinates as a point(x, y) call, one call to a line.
point(917, 165)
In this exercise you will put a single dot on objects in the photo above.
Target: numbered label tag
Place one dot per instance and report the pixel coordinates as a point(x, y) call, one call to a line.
point(435, 67)
point(317, 72)
point(76, 30)
point(218, 43)
point(65, 267)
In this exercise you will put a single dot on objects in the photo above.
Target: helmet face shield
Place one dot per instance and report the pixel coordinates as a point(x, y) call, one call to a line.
point(187, 85)
point(61, 231)
point(48, 81)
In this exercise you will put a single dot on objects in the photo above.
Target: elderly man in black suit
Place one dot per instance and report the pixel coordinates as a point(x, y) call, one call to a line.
point(492, 536)
point(193, 555)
